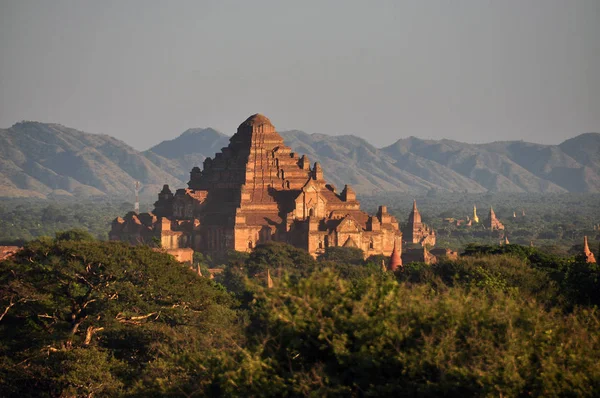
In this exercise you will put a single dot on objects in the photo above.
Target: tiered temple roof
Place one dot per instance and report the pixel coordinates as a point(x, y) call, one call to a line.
point(257, 189)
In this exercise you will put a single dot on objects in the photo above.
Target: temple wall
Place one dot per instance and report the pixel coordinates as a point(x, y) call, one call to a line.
point(246, 238)
point(316, 242)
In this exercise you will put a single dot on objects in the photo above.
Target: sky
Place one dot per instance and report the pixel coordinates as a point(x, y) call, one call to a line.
point(144, 71)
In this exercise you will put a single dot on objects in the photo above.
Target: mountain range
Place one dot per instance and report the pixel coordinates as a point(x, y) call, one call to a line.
point(50, 160)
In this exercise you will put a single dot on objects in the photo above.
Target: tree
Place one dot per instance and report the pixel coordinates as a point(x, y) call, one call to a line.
point(69, 304)
point(74, 234)
point(345, 255)
point(324, 336)
point(279, 256)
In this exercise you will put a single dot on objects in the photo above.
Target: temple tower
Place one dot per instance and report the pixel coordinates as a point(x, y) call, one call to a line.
point(492, 222)
point(413, 225)
point(415, 231)
point(475, 217)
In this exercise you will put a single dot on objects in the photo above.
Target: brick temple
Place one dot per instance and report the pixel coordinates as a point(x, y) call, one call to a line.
point(257, 190)
point(492, 222)
point(415, 231)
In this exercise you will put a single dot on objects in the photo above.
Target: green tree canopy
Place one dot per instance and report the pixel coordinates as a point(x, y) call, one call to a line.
point(279, 256)
point(94, 318)
point(343, 255)
point(327, 337)
point(74, 234)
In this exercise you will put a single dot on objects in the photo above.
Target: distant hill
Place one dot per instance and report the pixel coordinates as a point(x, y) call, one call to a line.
point(41, 160)
point(188, 150)
point(415, 165)
point(491, 166)
point(352, 160)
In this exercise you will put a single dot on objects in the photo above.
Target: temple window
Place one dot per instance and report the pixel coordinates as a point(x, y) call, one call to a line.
point(320, 244)
point(371, 245)
point(249, 244)
point(311, 212)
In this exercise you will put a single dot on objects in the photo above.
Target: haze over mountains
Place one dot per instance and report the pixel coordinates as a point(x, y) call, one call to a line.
point(50, 160)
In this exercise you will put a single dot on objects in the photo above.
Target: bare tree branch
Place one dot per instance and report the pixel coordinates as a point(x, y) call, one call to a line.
point(90, 333)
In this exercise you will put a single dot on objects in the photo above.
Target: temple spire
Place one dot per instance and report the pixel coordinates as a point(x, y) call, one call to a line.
point(414, 217)
point(492, 222)
point(586, 247)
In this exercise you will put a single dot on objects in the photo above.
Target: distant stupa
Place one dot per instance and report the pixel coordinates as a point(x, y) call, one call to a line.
point(475, 218)
point(492, 222)
point(589, 256)
point(395, 260)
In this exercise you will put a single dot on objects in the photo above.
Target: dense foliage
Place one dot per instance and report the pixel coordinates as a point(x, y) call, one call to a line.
point(27, 219)
point(102, 318)
point(81, 317)
point(328, 337)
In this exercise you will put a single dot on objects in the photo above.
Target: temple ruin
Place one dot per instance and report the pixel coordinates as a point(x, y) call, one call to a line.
point(256, 190)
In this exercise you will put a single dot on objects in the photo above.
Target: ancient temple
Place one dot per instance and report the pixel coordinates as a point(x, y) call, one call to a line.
point(415, 231)
point(492, 222)
point(589, 256)
point(256, 190)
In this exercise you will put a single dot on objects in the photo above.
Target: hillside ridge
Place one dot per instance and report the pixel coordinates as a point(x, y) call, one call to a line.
point(52, 160)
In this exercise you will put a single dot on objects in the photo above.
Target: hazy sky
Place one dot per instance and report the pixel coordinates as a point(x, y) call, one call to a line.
point(144, 71)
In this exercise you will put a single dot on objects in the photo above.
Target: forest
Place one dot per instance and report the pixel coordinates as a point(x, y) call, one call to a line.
point(81, 316)
point(85, 317)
